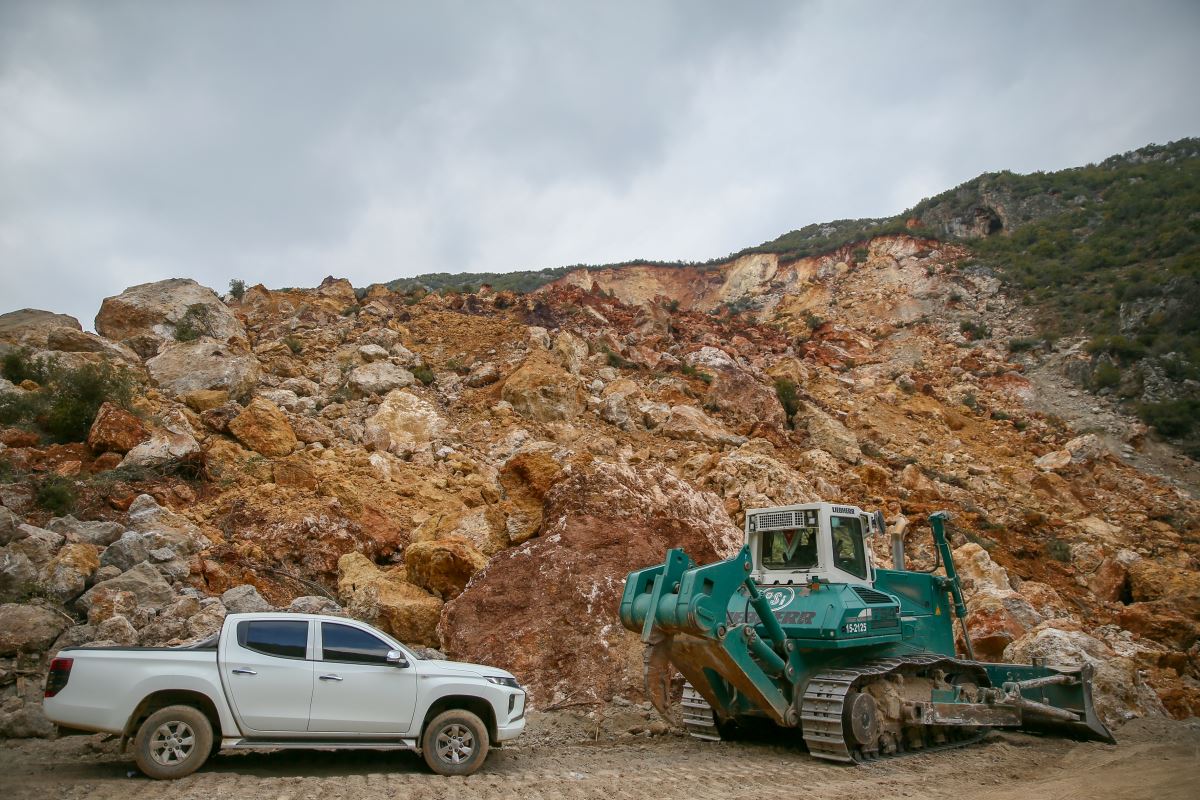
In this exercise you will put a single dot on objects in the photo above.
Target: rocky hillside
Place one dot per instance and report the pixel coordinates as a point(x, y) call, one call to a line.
point(477, 473)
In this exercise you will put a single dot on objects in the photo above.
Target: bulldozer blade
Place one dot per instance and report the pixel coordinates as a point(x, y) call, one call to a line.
point(658, 673)
point(1087, 723)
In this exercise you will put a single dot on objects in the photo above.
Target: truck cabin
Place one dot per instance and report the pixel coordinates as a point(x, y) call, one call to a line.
point(796, 545)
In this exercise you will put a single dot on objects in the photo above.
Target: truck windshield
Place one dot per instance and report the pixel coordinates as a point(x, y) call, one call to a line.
point(794, 549)
point(848, 551)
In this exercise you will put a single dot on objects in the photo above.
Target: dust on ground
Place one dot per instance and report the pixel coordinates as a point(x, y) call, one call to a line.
point(567, 755)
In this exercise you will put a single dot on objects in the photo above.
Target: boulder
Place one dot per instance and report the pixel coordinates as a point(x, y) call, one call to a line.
point(747, 400)
point(442, 566)
point(750, 478)
point(996, 619)
point(97, 532)
point(827, 434)
point(379, 378)
point(186, 367)
point(203, 400)
point(37, 544)
point(315, 604)
point(526, 477)
point(604, 520)
point(264, 428)
point(690, 424)
point(144, 581)
point(109, 602)
point(619, 401)
point(31, 327)
point(18, 576)
point(9, 522)
point(1151, 580)
point(403, 423)
point(127, 552)
point(244, 599)
point(116, 430)
point(483, 375)
point(1161, 621)
point(25, 720)
point(29, 628)
point(541, 390)
point(149, 314)
point(165, 446)
point(1110, 581)
point(206, 622)
point(571, 351)
point(66, 576)
point(977, 571)
point(1118, 689)
point(372, 352)
point(388, 601)
point(1054, 460)
point(70, 340)
point(119, 630)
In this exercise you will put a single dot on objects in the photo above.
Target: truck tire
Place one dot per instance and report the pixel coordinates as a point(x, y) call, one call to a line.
point(173, 742)
point(455, 742)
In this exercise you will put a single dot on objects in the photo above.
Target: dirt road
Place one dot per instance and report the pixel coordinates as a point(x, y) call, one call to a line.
point(1156, 759)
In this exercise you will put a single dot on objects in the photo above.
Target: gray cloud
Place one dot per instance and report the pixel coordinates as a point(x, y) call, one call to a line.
point(280, 142)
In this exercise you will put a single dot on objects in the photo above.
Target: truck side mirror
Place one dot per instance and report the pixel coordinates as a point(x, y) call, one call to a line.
point(396, 658)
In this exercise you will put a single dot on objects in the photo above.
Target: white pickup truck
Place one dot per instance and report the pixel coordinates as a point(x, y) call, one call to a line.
point(270, 681)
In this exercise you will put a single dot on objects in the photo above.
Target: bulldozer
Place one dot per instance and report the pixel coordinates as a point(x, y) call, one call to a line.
point(801, 629)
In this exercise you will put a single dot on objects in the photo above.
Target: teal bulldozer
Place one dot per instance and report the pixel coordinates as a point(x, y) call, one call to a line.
point(801, 629)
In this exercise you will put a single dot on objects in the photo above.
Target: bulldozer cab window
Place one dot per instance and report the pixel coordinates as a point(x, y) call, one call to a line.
point(794, 549)
point(849, 553)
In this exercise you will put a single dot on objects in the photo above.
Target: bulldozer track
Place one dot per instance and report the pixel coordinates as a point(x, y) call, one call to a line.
point(822, 711)
point(698, 716)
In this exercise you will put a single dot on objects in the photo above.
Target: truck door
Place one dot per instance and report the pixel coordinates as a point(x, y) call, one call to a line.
point(356, 690)
point(268, 674)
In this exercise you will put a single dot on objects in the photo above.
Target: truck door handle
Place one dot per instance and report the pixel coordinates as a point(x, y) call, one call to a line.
point(241, 671)
point(330, 677)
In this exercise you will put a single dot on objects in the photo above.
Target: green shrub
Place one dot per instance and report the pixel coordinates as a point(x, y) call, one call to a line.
point(350, 311)
point(1173, 418)
point(21, 365)
point(67, 401)
point(785, 390)
point(293, 344)
point(1105, 375)
point(424, 374)
point(237, 288)
point(1023, 343)
point(195, 322)
point(974, 329)
point(692, 372)
point(860, 254)
point(616, 360)
point(56, 495)
point(1058, 550)
point(970, 401)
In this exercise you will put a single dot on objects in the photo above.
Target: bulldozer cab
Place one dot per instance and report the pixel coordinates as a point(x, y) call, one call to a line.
point(796, 545)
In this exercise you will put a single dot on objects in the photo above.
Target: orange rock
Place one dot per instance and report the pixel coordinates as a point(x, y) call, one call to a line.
point(442, 566)
point(116, 430)
point(264, 429)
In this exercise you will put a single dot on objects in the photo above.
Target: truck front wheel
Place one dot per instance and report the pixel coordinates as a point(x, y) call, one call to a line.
point(455, 742)
point(173, 742)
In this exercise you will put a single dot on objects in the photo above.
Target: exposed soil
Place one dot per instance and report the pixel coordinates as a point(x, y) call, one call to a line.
point(570, 756)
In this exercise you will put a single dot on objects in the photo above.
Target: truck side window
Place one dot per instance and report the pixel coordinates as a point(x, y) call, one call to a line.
point(274, 637)
point(344, 643)
point(849, 554)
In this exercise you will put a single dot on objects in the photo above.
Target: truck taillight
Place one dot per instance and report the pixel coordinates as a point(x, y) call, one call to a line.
point(59, 674)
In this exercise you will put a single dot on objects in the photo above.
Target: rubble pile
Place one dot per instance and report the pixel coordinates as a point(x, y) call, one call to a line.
point(477, 473)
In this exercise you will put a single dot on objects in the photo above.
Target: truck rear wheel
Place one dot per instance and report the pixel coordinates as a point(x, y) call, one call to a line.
point(455, 742)
point(173, 742)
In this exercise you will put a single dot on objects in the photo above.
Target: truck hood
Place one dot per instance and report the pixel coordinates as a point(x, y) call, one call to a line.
point(433, 666)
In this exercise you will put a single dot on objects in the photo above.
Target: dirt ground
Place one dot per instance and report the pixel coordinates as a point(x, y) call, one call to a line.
point(561, 757)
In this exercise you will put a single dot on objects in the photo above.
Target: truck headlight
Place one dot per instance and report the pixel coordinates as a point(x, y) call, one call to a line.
point(509, 682)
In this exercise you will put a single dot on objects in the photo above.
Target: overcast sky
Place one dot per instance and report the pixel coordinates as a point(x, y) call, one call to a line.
point(279, 142)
